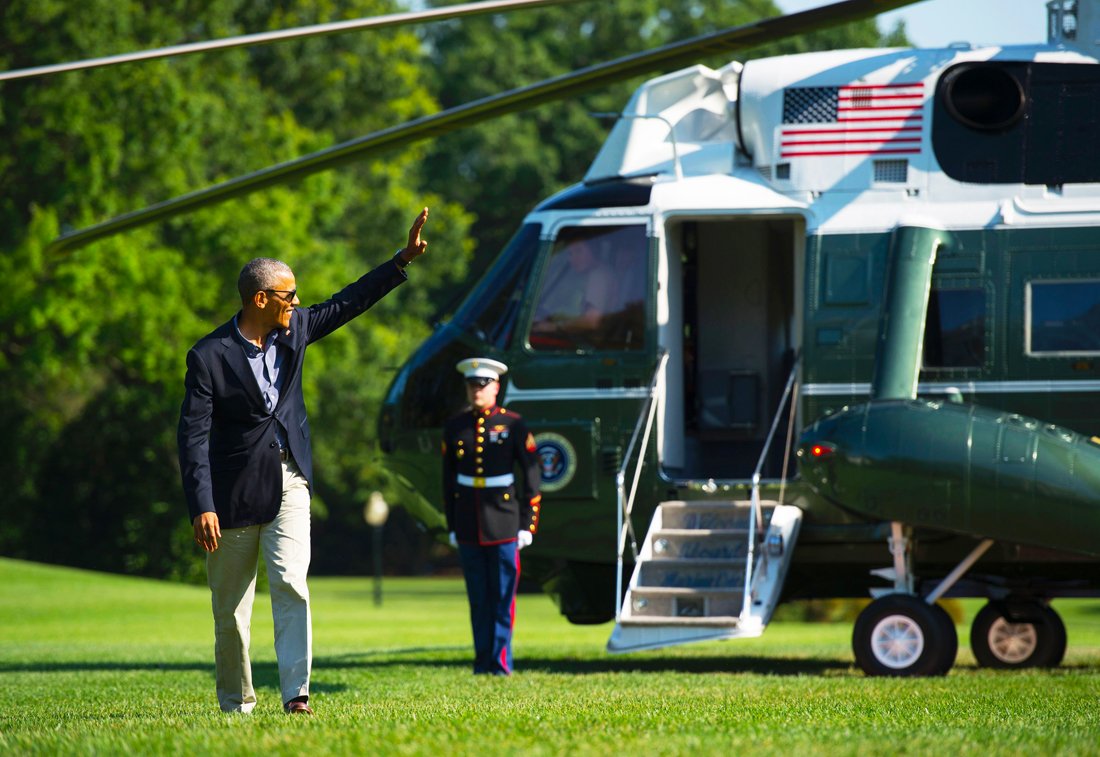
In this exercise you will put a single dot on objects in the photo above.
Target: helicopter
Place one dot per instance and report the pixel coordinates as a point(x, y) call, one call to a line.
point(893, 251)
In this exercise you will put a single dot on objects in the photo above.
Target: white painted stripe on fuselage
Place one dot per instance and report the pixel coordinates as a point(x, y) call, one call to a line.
point(514, 394)
point(965, 387)
point(862, 389)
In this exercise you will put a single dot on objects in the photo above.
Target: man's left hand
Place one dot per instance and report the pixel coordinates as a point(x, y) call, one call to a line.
point(416, 246)
point(207, 531)
point(524, 539)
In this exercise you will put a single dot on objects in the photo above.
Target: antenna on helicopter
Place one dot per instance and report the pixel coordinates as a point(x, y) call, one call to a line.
point(1061, 21)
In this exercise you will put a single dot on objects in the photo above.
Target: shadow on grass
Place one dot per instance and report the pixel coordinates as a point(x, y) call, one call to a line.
point(431, 657)
point(776, 666)
point(103, 666)
point(264, 674)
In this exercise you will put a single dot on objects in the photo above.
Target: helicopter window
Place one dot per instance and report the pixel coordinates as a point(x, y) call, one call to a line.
point(847, 280)
point(490, 311)
point(1064, 316)
point(954, 334)
point(593, 292)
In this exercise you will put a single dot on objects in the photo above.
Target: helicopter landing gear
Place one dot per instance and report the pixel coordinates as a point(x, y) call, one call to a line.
point(1013, 635)
point(902, 635)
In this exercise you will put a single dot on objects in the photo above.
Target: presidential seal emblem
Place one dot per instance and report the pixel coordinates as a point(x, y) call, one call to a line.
point(558, 460)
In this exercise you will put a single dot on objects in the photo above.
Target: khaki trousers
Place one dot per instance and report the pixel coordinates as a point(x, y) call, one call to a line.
point(231, 570)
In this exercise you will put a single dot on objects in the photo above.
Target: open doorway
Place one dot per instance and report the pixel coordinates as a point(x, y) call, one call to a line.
point(732, 333)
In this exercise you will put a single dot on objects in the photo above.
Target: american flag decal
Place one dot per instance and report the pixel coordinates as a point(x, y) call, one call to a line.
point(857, 119)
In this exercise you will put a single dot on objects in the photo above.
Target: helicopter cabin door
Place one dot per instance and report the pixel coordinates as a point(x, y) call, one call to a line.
point(732, 335)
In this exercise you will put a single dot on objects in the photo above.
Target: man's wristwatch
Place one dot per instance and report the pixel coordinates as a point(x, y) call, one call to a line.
point(399, 261)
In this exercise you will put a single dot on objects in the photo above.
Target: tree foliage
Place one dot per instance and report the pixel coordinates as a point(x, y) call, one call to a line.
point(92, 343)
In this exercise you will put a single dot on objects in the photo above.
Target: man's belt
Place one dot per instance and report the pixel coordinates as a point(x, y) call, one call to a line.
point(486, 482)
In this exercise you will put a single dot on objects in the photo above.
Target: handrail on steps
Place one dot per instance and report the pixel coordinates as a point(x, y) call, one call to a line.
point(756, 516)
point(626, 504)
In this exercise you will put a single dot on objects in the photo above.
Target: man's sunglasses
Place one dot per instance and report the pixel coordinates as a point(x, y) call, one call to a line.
point(479, 381)
point(290, 294)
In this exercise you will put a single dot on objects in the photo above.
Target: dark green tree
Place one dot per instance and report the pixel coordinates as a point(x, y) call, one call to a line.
point(92, 343)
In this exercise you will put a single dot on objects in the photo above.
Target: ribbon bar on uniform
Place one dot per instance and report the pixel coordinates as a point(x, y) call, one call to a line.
point(487, 482)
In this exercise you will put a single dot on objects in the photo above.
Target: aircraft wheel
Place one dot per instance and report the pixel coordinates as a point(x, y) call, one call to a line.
point(1058, 647)
point(902, 635)
point(950, 647)
point(1037, 639)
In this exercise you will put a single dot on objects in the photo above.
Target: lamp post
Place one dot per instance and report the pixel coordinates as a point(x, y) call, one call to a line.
point(375, 513)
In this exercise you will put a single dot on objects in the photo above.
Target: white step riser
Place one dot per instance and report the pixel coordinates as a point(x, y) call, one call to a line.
point(699, 605)
point(707, 517)
point(698, 547)
point(682, 576)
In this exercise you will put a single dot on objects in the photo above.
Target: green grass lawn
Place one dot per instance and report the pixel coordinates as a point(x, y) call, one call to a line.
point(92, 663)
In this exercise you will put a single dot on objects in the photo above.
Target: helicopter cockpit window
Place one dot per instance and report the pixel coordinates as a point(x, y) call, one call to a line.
point(954, 334)
point(490, 311)
point(1063, 317)
point(592, 295)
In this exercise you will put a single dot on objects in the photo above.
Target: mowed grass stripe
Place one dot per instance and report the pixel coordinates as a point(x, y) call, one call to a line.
point(95, 663)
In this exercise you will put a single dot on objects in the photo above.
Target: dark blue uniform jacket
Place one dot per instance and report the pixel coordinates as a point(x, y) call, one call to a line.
point(483, 445)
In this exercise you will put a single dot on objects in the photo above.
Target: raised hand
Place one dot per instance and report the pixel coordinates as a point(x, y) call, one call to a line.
point(416, 246)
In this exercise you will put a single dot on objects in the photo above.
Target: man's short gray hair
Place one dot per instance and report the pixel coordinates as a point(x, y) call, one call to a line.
point(259, 274)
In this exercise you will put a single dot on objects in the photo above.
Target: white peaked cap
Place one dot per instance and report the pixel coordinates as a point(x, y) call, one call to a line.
point(481, 366)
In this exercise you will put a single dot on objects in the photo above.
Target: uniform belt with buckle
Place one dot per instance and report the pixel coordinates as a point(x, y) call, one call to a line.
point(486, 482)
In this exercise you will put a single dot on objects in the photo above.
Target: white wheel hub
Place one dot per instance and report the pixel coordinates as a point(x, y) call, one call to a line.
point(1012, 643)
point(897, 641)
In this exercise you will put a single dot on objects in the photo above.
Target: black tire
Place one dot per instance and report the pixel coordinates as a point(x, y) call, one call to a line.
point(901, 635)
point(1058, 640)
point(1017, 636)
point(950, 647)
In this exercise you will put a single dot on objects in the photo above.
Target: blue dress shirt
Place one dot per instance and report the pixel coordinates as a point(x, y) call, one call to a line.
point(266, 364)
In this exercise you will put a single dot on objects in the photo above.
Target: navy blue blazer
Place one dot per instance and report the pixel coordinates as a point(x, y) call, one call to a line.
point(229, 458)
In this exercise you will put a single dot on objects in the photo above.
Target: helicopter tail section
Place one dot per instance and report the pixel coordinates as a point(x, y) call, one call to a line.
point(691, 576)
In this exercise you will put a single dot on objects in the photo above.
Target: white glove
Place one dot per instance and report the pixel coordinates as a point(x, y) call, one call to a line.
point(524, 539)
point(451, 538)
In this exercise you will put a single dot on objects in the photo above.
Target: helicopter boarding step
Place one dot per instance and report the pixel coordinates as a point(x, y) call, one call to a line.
point(689, 579)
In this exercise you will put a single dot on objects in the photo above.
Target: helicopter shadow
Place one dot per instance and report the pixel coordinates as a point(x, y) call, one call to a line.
point(265, 675)
point(431, 657)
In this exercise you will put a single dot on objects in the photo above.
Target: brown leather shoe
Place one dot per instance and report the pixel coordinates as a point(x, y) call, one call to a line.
point(297, 707)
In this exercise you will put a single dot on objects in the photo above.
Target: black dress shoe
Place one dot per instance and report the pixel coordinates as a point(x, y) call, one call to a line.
point(297, 707)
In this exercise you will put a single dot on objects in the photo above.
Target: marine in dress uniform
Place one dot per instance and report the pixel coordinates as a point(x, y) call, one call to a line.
point(491, 514)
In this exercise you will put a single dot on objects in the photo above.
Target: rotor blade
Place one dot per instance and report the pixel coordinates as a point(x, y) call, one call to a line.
point(263, 38)
point(522, 98)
